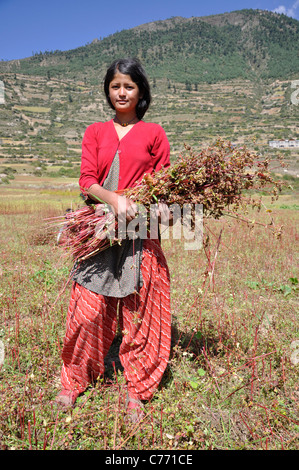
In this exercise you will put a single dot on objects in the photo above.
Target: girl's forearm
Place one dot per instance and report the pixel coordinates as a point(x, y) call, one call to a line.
point(121, 206)
point(100, 194)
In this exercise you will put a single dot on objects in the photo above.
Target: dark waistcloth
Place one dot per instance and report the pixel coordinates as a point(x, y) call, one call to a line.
point(116, 271)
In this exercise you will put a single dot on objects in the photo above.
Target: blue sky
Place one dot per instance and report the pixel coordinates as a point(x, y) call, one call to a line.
point(29, 26)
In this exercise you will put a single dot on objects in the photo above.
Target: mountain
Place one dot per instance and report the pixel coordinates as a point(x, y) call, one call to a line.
point(248, 44)
point(233, 75)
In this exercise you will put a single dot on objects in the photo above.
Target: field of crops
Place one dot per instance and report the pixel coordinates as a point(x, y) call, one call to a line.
point(232, 379)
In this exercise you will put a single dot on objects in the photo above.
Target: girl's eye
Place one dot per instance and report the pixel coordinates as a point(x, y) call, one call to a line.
point(116, 86)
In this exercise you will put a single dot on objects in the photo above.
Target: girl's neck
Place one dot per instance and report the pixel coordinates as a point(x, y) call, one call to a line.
point(125, 120)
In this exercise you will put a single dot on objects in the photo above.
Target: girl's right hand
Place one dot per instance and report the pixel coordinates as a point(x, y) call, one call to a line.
point(124, 209)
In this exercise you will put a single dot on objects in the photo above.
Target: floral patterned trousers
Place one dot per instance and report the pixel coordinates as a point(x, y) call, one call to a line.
point(145, 322)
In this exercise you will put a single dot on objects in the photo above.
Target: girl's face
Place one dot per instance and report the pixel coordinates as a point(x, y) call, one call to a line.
point(124, 93)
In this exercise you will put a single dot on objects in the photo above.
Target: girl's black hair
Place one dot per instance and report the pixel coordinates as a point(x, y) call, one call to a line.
point(133, 68)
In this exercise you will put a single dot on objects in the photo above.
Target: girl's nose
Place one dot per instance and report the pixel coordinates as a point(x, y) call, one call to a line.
point(122, 91)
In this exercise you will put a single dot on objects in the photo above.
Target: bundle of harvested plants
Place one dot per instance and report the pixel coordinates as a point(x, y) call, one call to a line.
point(219, 177)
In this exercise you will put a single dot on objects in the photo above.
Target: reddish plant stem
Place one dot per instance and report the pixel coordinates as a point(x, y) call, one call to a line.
point(29, 435)
point(276, 412)
point(152, 423)
point(53, 438)
point(252, 380)
point(283, 372)
point(161, 425)
point(45, 440)
point(253, 437)
point(211, 369)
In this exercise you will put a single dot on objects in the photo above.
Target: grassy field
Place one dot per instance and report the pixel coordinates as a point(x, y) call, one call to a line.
point(232, 379)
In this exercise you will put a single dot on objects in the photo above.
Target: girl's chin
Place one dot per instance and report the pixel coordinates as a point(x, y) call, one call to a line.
point(123, 108)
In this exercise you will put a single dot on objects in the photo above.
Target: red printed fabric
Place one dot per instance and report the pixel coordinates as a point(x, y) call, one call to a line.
point(145, 321)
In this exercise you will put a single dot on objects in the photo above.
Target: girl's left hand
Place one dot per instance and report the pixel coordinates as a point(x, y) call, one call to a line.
point(165, 216)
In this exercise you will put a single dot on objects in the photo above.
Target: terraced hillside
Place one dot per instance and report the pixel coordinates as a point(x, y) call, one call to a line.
point(51, 97)
point(43, 121)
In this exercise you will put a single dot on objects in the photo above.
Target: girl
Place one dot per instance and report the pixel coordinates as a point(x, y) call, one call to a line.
point(130, 280)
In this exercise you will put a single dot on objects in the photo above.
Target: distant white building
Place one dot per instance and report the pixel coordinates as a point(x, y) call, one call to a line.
point(292, 143)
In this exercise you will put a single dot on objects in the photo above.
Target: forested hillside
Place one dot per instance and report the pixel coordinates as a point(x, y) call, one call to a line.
point(248, 44)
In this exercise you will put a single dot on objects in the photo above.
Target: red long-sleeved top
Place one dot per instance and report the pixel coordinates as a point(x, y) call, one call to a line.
point(144, 149)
